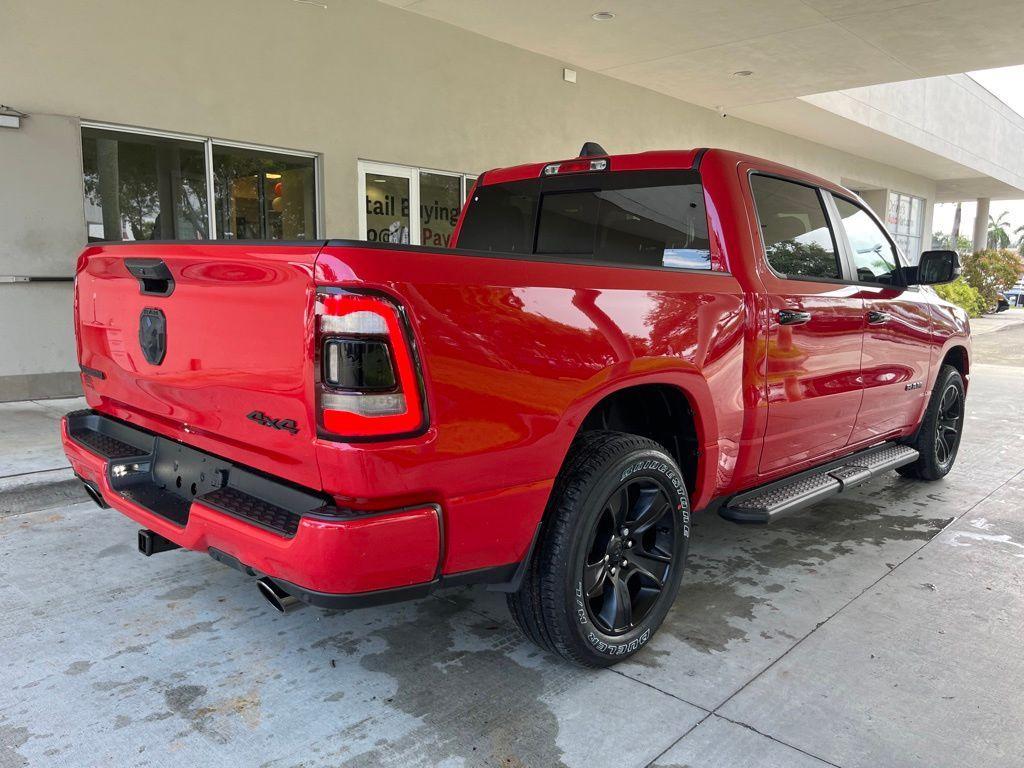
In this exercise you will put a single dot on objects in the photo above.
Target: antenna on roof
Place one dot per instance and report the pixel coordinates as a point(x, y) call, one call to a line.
point(593, 149)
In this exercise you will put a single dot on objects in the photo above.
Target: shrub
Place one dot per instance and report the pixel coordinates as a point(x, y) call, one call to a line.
point(963, 295)
point(991, 271)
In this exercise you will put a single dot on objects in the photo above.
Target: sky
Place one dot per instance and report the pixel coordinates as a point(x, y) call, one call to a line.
point(1006, 83)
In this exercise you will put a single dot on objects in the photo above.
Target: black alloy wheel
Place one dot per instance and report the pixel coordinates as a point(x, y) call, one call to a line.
point(938, 437)
point(611, 551)
point(948, 423)
point(630, 558)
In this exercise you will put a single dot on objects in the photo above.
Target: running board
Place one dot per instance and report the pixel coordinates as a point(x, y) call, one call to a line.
point(786, 496)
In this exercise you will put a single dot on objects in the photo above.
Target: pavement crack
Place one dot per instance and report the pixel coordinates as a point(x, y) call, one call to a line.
point(843, 607)
point(768, 736)
point(686, 733)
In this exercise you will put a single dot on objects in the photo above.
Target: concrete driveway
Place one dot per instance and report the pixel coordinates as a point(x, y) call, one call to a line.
point(883, 630)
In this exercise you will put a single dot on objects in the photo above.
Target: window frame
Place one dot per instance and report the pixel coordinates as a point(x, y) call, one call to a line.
point(830, 218)
point(850, 264)
point(209, 142)
point(569, 183)
point(895, 231)
point(412, 173)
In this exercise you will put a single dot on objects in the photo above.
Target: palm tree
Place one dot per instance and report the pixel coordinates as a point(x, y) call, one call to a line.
point(1019, 231)
point(998, 237)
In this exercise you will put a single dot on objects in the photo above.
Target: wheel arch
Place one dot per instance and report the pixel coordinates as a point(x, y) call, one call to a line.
point(677, 412)
point(959, 358)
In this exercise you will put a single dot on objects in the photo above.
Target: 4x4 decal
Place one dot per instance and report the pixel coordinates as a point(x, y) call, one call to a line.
point(288, 425)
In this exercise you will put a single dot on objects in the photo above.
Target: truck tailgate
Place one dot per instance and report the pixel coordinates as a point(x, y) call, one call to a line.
point(208, 344)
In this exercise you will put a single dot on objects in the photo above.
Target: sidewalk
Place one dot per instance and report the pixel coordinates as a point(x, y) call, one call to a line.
point(34, 473)
point(990, 323)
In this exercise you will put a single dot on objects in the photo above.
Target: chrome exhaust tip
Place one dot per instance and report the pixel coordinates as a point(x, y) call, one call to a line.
point(94, 494)
point(277, 597)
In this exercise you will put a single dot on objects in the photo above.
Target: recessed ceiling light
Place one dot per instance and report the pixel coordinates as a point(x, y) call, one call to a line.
point(603, 16)
point(743, 73)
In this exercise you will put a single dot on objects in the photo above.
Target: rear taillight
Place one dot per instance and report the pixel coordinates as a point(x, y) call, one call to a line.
point(367, 377)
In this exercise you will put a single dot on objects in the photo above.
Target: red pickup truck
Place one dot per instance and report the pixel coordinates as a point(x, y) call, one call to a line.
point(614, 342)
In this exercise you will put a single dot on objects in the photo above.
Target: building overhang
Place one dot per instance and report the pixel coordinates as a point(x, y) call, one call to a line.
point(759, 62)
point(948, 129)
point(697, 52)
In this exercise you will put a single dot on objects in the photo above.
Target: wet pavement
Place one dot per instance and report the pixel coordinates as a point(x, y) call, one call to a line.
point(880, 630)
point(34, 472)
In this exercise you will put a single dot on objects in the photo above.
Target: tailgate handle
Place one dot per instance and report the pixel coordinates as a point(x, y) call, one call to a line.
point(154, 277)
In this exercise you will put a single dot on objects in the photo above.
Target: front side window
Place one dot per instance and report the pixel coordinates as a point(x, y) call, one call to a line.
point(874, 258)
point(642, 218)
point(140, 187)
point(797, 238)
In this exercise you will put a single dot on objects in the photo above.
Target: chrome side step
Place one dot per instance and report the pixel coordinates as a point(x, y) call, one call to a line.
point(784, 497)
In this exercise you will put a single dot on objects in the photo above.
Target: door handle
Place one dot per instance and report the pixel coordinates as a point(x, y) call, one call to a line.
point(792, 317)
point(877, 318)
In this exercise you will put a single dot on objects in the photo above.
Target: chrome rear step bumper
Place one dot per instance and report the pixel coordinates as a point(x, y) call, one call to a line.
point(791, 494)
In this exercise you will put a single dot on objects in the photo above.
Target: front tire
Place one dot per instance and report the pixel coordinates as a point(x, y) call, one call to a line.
point(612, 552)
point(938, 439)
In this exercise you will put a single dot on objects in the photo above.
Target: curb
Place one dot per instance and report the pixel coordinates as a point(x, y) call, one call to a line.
point(39, 490)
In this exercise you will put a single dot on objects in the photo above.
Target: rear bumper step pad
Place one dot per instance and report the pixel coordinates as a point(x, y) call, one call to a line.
point(198, 501)
point(165, 477)
point(784, 497)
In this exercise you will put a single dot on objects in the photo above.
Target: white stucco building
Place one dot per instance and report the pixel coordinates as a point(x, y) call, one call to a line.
point(301, 119)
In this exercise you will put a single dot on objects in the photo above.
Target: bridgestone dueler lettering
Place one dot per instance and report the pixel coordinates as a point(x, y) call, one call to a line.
point(553, 607)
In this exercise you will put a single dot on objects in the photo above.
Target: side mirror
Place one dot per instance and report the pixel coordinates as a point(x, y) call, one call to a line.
point(937, 267)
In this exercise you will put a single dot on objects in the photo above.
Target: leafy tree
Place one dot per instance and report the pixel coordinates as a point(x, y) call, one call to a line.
point(991, 271)
point(132, 200)
point(998, 237)
point(942, 241)
point(794, 258)
point(963, 295)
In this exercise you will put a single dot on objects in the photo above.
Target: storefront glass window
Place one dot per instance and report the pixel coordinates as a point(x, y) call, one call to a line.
point(440, 203)
point(414, 206)
point(143, 187)
point(904, 218)
point(146, 185)
point(263, 196)
point(387, 208)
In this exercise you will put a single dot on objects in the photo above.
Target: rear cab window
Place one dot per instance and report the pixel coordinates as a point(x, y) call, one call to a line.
point(628, 218)
point(798, 241)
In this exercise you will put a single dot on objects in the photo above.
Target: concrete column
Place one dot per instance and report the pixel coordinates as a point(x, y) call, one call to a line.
point(981, 225)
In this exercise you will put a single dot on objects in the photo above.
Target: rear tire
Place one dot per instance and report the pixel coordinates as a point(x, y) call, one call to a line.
point(613, 547)
point(938, 438)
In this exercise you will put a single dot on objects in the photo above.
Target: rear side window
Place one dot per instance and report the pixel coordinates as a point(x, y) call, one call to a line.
point(500, 218)
point(642, 218)
point(798, 241)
